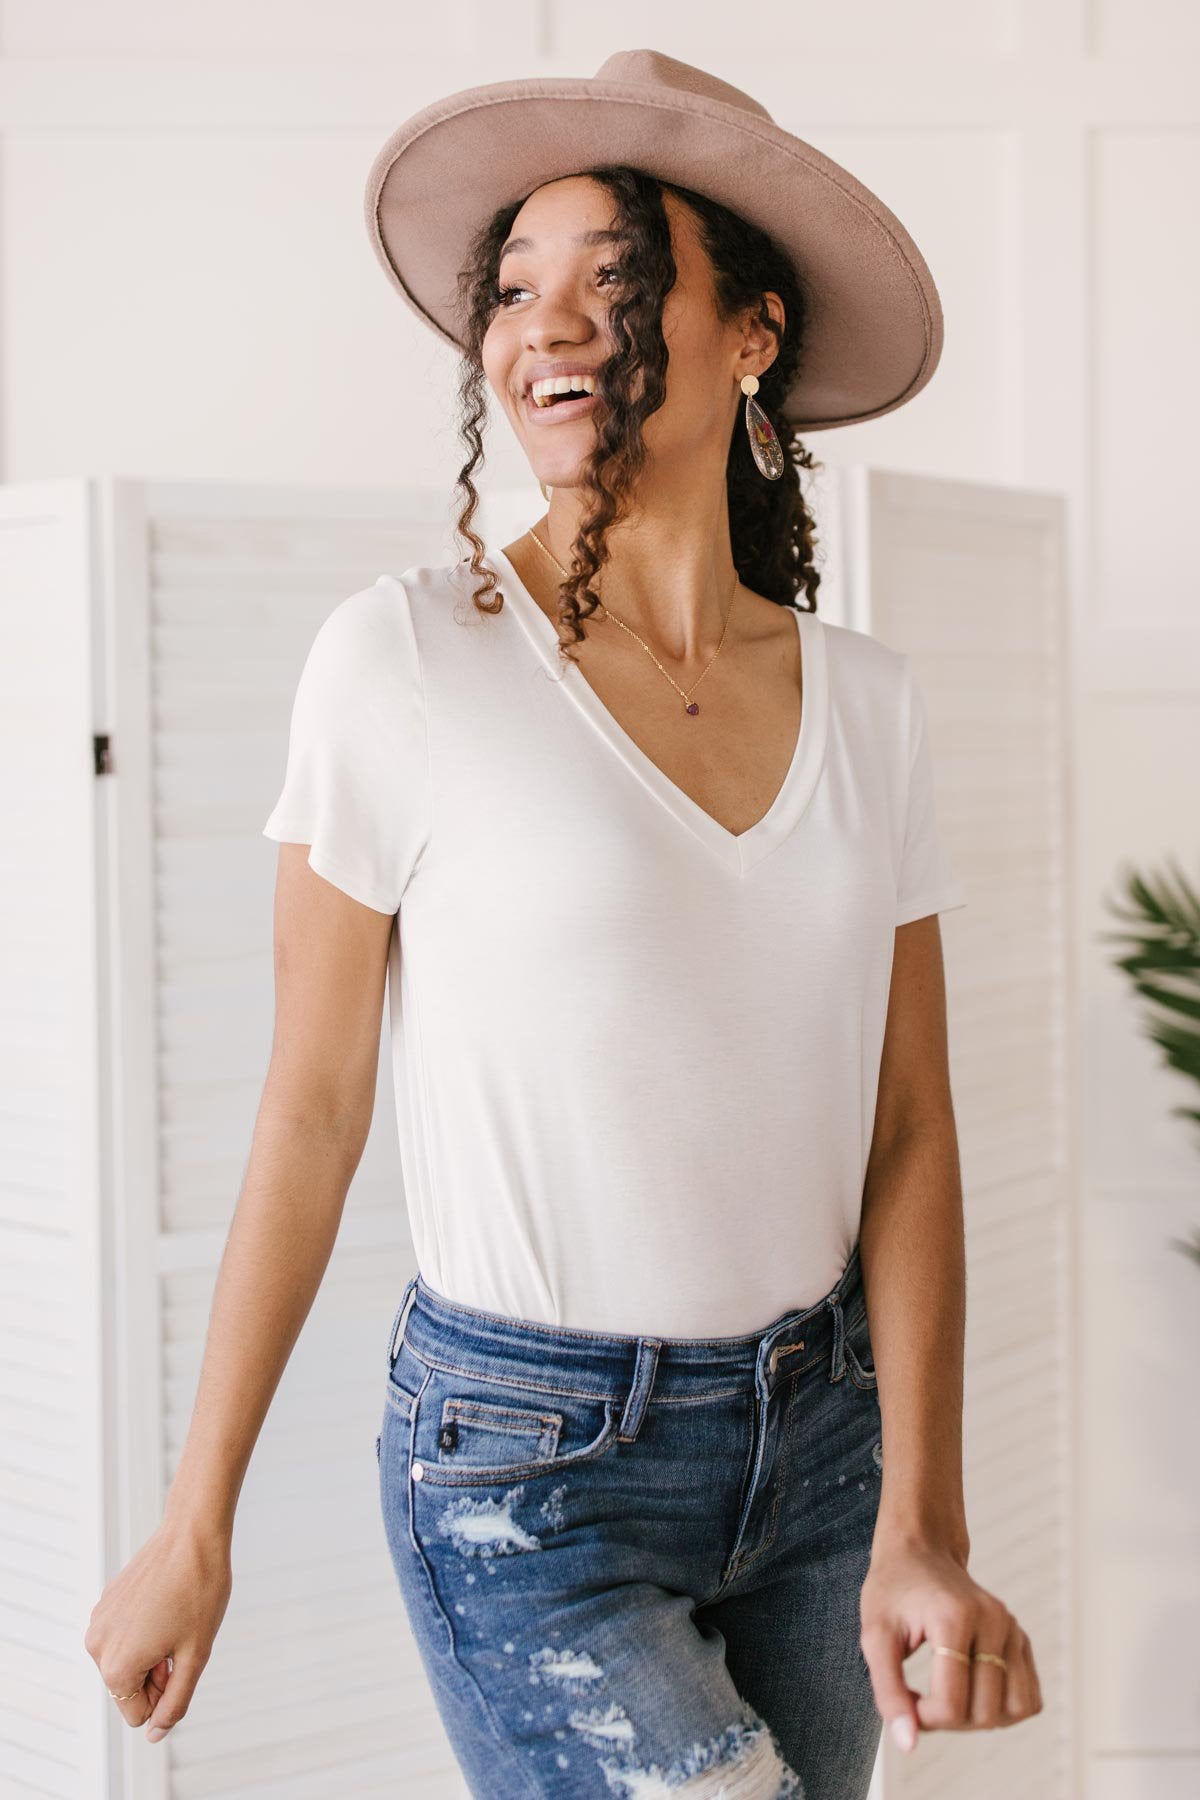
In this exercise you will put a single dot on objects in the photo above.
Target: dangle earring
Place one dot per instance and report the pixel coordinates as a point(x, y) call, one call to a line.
point(546, 492)
point(764, 444)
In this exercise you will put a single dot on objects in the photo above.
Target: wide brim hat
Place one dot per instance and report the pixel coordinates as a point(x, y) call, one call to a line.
point(874, 334)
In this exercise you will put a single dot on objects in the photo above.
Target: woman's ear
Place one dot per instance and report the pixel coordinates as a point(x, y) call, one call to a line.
point(758, 340)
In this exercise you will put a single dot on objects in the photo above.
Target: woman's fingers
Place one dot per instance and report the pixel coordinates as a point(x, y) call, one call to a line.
point(132, 1682)
point(976, 1694)
point(996, 1634)
point(176, 1696)
point(1037, 1680)
point(884, 1651)
point(142, 1688)
point(1023, 1696)
point(946, 1706)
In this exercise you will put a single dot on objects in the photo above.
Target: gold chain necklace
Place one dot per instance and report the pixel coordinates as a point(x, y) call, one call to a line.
point(690, 706)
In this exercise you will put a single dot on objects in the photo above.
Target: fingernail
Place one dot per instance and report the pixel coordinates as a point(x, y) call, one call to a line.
point(157, 1731)
point(904, 1731)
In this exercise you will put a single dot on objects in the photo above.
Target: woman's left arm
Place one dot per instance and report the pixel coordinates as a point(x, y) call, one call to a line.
point(914, 1276)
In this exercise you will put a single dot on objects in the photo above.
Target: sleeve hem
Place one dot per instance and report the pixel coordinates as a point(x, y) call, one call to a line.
point(947, 900)
point(330, 870)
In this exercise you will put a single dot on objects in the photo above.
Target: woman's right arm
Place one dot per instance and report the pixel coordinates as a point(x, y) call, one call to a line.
point(312, 1124)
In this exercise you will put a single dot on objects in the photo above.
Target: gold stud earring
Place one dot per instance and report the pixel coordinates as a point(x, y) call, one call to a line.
point(764, 444)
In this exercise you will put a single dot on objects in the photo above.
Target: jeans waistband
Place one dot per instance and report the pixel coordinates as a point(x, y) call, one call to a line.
point(622, 1366)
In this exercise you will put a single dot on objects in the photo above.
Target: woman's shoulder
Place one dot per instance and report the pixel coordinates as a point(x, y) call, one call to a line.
point(391, 616)
point(370, 630)
point(434, 593)
point(861, 648)
point(864, 665)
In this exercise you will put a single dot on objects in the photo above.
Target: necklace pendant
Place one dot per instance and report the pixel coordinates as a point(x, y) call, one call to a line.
point(693, 706)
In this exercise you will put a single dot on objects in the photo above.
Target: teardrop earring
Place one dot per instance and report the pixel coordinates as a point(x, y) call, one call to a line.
point(764, 444)
point(546, 492)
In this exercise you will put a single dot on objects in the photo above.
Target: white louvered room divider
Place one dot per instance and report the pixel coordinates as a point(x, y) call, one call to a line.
point(150, 640)
point(969, 580)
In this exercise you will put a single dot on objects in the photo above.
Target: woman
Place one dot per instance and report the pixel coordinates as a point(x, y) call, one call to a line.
point(666, 1510)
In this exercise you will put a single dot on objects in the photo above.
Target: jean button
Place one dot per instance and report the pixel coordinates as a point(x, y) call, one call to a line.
point(418, 1471)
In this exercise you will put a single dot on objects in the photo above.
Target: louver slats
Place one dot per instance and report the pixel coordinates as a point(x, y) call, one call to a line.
point(236, 591)
point(967, 580)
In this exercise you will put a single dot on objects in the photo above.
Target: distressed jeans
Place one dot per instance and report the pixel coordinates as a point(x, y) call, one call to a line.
point(633, 1564)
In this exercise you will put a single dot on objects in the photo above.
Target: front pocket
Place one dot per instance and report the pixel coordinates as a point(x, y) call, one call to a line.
point(483, 1433)
point(475, 1430)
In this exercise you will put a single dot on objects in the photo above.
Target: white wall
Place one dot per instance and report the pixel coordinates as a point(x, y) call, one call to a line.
point(186, 290)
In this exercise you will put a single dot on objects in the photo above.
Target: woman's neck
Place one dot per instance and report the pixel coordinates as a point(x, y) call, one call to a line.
point(671, 583)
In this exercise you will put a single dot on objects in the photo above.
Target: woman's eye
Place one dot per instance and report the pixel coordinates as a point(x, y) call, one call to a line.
point(502, 293)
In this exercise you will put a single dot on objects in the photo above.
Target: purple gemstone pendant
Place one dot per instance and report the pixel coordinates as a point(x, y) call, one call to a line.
point(693, 706)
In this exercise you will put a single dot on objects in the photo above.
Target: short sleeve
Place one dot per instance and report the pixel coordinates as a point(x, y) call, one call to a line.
point(927, 881)
point(357, 787)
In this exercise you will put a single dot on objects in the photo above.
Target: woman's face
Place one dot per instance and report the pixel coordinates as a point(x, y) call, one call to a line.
point(557, 268)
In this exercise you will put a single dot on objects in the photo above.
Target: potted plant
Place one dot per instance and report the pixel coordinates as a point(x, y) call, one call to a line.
point(1163, 963)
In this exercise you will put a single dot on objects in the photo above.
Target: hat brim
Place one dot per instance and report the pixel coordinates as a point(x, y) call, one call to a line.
point(875, 331)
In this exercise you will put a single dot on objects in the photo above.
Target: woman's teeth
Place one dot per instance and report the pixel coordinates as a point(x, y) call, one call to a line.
point(542, 392)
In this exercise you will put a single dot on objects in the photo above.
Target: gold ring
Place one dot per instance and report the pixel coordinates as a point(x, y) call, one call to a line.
point(132, 1696)
point(987, 1656)
point(945, 1650)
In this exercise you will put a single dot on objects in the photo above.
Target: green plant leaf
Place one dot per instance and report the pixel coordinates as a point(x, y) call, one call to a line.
point(1162, 961)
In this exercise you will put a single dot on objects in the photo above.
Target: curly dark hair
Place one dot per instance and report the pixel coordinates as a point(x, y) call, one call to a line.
point(771, 529)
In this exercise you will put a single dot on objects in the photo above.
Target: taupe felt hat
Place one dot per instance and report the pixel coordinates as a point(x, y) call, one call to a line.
point(875, 334)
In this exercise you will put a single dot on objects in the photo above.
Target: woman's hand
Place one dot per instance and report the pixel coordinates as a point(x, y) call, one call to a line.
point(916, 1591)
point(152, 1629)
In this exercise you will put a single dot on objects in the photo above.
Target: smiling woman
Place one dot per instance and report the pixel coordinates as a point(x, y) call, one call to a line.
point(669, 1461)
point(714, 288)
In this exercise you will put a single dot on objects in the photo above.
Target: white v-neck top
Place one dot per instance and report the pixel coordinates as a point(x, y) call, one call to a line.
point(636, 1056)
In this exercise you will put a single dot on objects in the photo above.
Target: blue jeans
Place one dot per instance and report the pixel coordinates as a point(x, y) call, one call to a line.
point(633, 1564)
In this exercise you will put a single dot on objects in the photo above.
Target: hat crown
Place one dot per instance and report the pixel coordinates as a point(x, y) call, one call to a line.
point(652, 69)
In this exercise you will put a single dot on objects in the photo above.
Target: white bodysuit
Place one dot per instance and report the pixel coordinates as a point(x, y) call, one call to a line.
point(636, 1057)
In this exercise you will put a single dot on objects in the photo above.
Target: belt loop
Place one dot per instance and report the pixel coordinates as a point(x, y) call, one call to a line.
point(837, 1363)
point(639, 1394)
point(399, 1320)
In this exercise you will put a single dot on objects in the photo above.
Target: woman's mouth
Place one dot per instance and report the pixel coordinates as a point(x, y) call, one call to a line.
point(570, 406)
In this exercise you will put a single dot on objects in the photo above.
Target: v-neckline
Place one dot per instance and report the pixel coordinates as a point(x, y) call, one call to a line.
point(739, 851)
